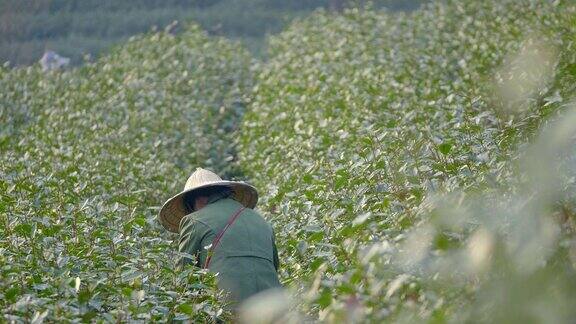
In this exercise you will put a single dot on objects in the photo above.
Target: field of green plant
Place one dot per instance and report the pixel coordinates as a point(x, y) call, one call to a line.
point(87, 157)
point(390, 151)
point(415, 167)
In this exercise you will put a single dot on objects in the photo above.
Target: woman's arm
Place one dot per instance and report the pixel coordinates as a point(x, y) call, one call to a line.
point(190, 242)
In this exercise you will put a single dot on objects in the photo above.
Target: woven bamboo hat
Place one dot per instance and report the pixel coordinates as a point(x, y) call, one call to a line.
point(174, 208)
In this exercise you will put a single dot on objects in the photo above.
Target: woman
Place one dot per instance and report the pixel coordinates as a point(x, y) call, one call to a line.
point(218, 226)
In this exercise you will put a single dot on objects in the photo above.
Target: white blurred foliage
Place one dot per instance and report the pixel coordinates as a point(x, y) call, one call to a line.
point(480, 248)
point(525, 73)
point(522, 220)
point(270, 306)
point(505, 236)
point(551, 160)
point(416, 248)
point(396, 284)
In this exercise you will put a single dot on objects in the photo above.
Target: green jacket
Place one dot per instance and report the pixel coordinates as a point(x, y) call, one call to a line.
point(246, 258)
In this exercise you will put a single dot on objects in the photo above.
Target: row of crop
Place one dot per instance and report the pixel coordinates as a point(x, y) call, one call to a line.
point(386, 146)
point(358, 127)
point(87, 154)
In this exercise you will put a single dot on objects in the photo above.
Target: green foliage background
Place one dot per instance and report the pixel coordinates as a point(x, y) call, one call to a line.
point(396, 174)
point(88, 155)
point(358, 121)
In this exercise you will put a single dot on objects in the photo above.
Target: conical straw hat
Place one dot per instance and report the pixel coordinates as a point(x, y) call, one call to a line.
point(174, 209)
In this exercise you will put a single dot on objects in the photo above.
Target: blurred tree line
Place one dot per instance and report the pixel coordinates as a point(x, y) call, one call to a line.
point(77, 28)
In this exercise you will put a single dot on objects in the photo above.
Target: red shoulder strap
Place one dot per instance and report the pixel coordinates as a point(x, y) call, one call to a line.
point(220, 234)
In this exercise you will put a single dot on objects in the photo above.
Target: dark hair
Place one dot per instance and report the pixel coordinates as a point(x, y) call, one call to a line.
point(190, 197)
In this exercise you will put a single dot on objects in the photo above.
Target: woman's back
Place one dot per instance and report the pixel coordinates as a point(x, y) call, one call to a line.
point(245, 258)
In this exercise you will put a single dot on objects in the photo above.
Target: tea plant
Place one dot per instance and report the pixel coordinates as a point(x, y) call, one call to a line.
point(416, 167)
point(369, 132)
point(88, 155)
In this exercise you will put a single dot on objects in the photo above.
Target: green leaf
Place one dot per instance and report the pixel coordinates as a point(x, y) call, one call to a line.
point(445, 148)
point(186, 309)
point(12, 293)
point(24, 229)
point(325, 298)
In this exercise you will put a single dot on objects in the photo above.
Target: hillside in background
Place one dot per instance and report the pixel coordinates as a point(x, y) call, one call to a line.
point(74, 28)
point(416, 167)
